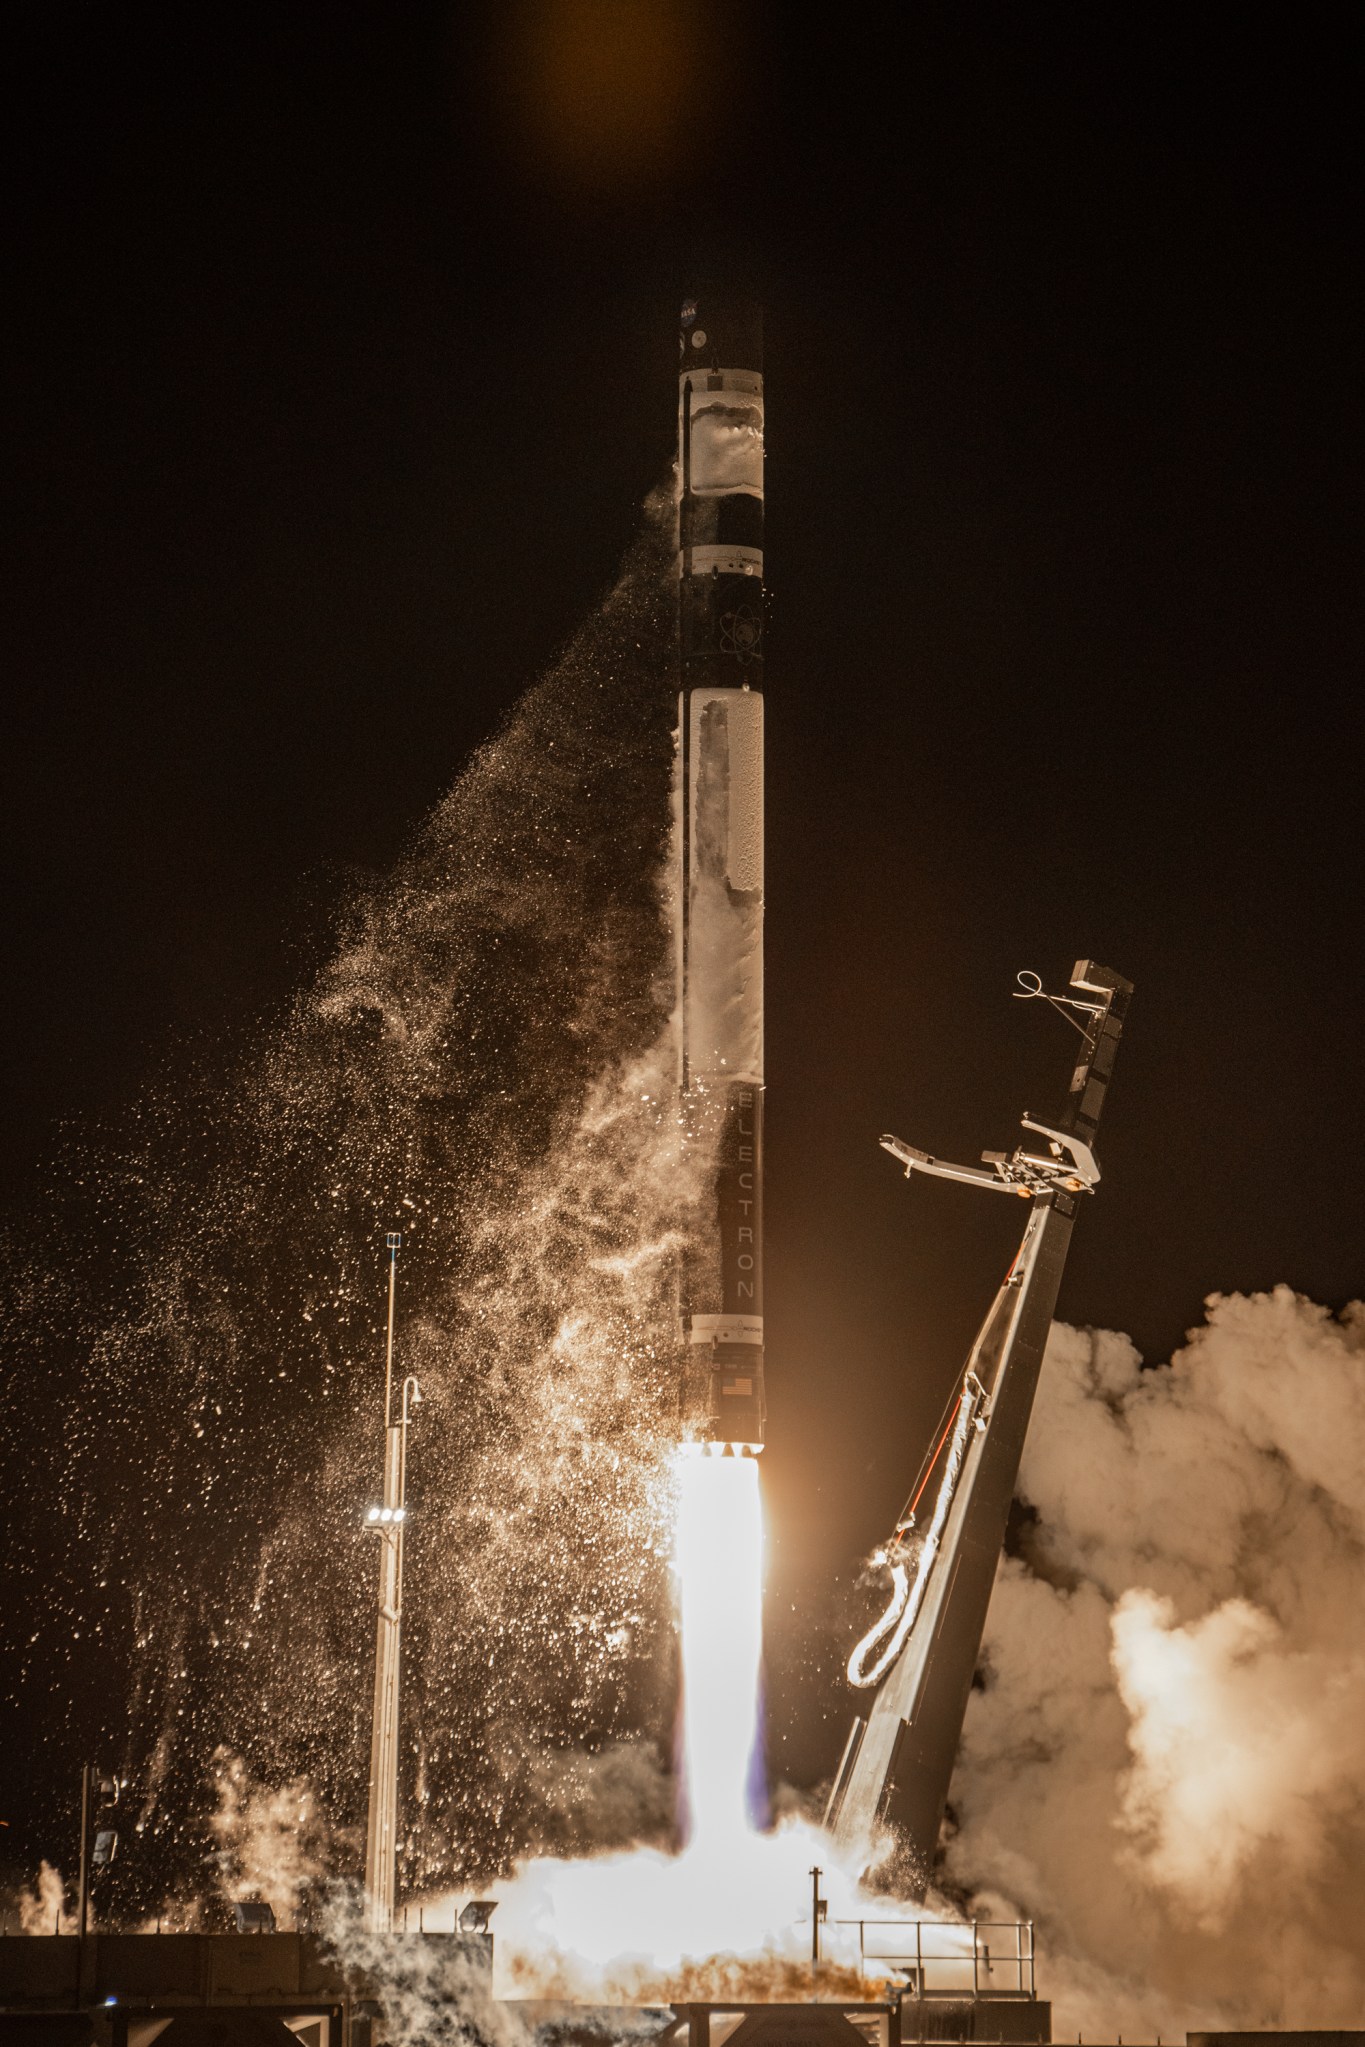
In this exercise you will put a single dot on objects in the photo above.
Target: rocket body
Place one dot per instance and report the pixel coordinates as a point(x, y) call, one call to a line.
point(720, 805)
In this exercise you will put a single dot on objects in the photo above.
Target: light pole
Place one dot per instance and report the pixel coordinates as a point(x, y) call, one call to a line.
point(99, 1840)
point(387, 1520)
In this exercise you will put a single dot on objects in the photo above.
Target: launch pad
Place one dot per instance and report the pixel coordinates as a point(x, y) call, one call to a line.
point(816, 2022)
point(278, 1989)
point(289, 1990)
point(893, 2023)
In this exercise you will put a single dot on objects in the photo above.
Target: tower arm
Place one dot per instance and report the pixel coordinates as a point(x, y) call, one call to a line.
point(939, 1169)
point(899, 1764)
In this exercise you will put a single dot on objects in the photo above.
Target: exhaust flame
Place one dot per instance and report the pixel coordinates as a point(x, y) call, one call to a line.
point(641, 1923)
point(719, 1557)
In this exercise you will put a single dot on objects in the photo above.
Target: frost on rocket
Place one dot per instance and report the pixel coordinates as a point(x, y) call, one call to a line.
point(727, 438)
point(724, 989)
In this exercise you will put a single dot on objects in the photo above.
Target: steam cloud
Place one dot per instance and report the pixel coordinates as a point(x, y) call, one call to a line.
point(430, 1994)
point(1166, 1767)
point(274, 1841)
point(43, 1908)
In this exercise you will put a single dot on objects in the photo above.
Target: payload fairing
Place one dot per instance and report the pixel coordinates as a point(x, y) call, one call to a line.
point(720, 800)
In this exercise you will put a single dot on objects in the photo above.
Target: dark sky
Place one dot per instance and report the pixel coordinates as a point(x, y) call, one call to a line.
point(340, 358)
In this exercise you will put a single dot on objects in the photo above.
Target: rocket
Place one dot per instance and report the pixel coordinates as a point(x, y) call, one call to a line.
point(720, 838)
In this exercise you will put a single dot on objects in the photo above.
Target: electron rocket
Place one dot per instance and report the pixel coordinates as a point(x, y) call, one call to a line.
point(720, 837)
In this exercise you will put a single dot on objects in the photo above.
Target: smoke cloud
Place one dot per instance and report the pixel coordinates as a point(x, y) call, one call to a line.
point(1166, 1766)
point(43, 1908)
point(430, 1993)
point(274, 1841)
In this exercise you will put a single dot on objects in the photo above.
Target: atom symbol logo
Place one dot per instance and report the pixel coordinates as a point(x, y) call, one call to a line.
point(741, 633)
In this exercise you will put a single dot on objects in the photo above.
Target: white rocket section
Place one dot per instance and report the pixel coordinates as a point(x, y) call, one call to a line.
point(723, 984)
point(726, 435)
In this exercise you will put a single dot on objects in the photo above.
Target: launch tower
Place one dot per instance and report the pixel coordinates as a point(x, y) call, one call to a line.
point(943, 1554)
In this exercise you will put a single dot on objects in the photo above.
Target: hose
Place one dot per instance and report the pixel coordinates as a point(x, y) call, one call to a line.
point(907, 1596)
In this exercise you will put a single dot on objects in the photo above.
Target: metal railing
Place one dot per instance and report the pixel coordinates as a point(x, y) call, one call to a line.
point(986, 1958)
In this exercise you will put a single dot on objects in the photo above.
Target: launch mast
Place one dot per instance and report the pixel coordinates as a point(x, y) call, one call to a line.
point(943, 1555)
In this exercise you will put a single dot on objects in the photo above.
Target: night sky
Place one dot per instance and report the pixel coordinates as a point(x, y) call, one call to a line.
point(341, 357)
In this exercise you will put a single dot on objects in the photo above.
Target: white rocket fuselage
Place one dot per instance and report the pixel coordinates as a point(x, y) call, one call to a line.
point(720, 753)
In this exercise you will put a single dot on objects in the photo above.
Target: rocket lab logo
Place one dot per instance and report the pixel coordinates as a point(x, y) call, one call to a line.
point(741, 633)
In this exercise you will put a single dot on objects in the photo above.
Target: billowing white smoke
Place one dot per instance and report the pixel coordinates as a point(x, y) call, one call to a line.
point(43, 1909)
point(273, 1841)
point(429, 1994)
point(1167, 1765)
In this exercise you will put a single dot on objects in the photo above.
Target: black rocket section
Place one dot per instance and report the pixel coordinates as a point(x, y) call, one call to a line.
point(720, 766)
